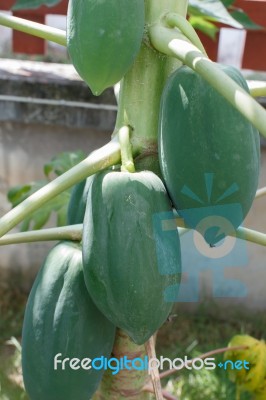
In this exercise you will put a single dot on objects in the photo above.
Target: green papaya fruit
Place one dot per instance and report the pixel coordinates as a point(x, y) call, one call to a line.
point(131, 251)
point(209, 154)
point(103, 39)
point(61, 321)
point(78, 200)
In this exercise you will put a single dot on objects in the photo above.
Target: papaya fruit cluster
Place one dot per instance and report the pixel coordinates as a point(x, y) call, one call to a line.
point(253, 378)
point(126, 272)
point(120, 276)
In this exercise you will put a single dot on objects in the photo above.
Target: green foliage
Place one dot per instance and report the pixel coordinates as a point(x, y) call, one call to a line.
point(204, 384)
point(204, 14)
point(204, 25)
point(58, 205)
point(244, 19)
point(214, 10)
point(207, 328)
point(201, 385)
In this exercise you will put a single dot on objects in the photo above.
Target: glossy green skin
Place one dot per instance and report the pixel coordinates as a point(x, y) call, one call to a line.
point(201, 133)
point(103, 39)
point(120, 259)
point(77, 203)
point(61, 318)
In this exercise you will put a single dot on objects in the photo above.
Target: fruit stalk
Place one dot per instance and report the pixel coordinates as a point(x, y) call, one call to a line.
point(126, 150)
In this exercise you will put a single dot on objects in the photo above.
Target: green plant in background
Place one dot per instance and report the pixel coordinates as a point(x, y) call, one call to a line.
point(204, 14)
point(56, 167)
point(201, 14)
point(122, 204)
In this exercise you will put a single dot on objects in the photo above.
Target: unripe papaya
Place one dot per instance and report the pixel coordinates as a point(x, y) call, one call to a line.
point(61, 320)
point(209, 154)
point(103, 39)
point(131, 251)
point(77, 203)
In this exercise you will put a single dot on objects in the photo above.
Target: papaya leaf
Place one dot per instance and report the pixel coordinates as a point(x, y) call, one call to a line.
point(214, 10)
point(228, 3)
point(204, 26)
point(16, 193)
point(30, 4)
point(56, 206)
point(240, 16)
point(62, 163)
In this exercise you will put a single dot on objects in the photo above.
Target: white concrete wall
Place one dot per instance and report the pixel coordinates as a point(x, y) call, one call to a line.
point(24, 149)
point(247, 265)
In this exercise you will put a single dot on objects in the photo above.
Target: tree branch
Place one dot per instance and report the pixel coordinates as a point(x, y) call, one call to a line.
point(33, 28)
point(202, 356)
point(257, 88)
point(150, 349)
point(247, 234)
point(100, 159)
point(171, 42)
point(72, 232)
point(260, 192)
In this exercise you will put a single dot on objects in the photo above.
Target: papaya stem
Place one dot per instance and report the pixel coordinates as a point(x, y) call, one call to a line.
point(150, 349)
point(202, 356)
point(251, 235)
point(257, 88)
point(126, 149)
point(72, 232)
point(177, 21)
point(173, 43)
point(33, 28)
point(98, 160)
point(260, 192)
point(247, 234)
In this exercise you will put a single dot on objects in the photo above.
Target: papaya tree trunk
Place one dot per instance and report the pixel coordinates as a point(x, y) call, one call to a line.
point(126, 384)
point(138, 107)
point(141, 88)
